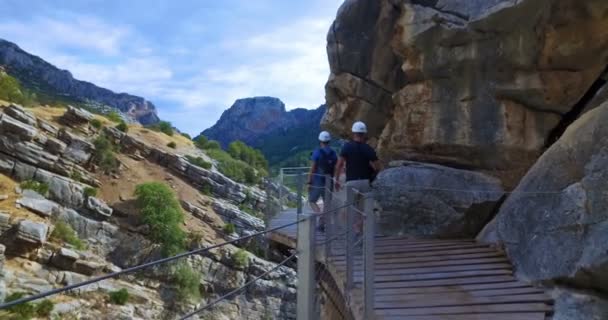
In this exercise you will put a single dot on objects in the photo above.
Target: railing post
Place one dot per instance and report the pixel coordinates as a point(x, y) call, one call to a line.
point(327, 215)
point(306, 275)
point(281, 189)
point(369, 262)
point(349, 239)
point(300, 192)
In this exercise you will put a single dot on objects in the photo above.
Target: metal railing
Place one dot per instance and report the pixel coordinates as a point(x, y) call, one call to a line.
point(349, 231)
point(349, 234)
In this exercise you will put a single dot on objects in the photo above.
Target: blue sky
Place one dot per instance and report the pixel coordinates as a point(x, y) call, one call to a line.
point(192, 58)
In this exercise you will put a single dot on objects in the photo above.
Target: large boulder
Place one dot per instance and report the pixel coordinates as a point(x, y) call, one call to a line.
point(31, 232)
point(19, 113)
point(16, 129)
point(435, 201)
point(38, 204)
point(481, 84)
point(578, 305)
point(555, 225)
point(77, 118)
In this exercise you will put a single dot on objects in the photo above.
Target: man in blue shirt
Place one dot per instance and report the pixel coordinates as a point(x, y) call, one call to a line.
point(323, 164)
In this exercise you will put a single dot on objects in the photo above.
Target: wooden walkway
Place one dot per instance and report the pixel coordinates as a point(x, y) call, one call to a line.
point(435, 280)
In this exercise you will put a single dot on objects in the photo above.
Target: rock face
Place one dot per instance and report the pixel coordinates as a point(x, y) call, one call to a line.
point(555, 225)
point(434, 201)
point(480, 84)
point(34, 72)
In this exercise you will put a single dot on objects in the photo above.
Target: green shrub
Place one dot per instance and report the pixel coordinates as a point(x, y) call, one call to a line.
point(164, 127)
point(23, 310)
point(195, 237)
point(90, 192)
point(229, 228)
point(188, 282)
point(187, 136)
point(212, 144)
point(172, 145)
point(76, 175)
point(240, 259)
point(206, 189)
point(39, 187)
point(64, 233)
point(122, 126)
point(11, 90)
point(234, 169)
point(198, 161)
point(162, 212)
point(119, 297)
point(114, 116)
point(104, 156)
point(253, 157)
point(96, 123)
point(44, 308)
point(200, 141)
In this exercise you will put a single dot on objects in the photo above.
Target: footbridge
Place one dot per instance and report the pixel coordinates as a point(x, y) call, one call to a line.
point(360, 274)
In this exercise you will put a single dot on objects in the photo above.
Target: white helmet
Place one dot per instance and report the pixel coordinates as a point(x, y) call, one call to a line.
point(359, 127)
point(324, 136)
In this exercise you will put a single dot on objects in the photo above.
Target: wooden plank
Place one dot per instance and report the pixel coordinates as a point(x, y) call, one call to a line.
point(463, 300)
point(424, 270)
point(425, 245)
point(459, 293)
point(403, 249)
point(447, 276)
point(430, 264)
point(423, 253)
point(501, 285)
point(444, 282)
point(490, 308)
point(470, 316)
point(403, 260)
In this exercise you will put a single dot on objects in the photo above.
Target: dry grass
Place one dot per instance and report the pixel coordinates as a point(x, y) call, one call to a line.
point(7, 187)
point(160, 140)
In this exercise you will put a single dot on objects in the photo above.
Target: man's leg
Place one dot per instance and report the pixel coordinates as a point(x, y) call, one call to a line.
point(361, 187)
point(313, 197)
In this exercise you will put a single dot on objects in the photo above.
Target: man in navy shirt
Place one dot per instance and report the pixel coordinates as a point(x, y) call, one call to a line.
point(361, 163)
point(360, 159)
point(323, 164)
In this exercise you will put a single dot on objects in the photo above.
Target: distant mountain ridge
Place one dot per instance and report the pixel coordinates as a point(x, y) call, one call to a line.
point(45, 79)
point(265, 124)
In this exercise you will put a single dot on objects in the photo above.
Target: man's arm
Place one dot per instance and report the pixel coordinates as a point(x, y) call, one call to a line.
point(376, 165)
point(313, 169)
point(338, 171)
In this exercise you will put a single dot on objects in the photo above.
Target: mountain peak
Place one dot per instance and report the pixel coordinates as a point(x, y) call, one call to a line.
point(256, 117)
point(40, 76)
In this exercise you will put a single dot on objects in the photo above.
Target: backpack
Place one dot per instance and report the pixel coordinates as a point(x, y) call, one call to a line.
point(326, 163)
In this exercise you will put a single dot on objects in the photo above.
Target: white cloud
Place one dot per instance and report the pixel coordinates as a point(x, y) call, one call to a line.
point(75, 32)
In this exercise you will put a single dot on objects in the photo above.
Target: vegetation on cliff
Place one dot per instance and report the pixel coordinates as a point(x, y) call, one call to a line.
point(162, 213)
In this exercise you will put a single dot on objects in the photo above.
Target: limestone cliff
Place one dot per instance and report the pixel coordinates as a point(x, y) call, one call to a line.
point(477, 84)
point(64, 219)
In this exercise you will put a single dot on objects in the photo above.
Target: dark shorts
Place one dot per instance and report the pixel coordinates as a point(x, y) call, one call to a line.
point(315, 193)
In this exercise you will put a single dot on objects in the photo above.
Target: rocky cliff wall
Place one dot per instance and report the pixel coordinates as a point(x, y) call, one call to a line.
point(476, 84)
